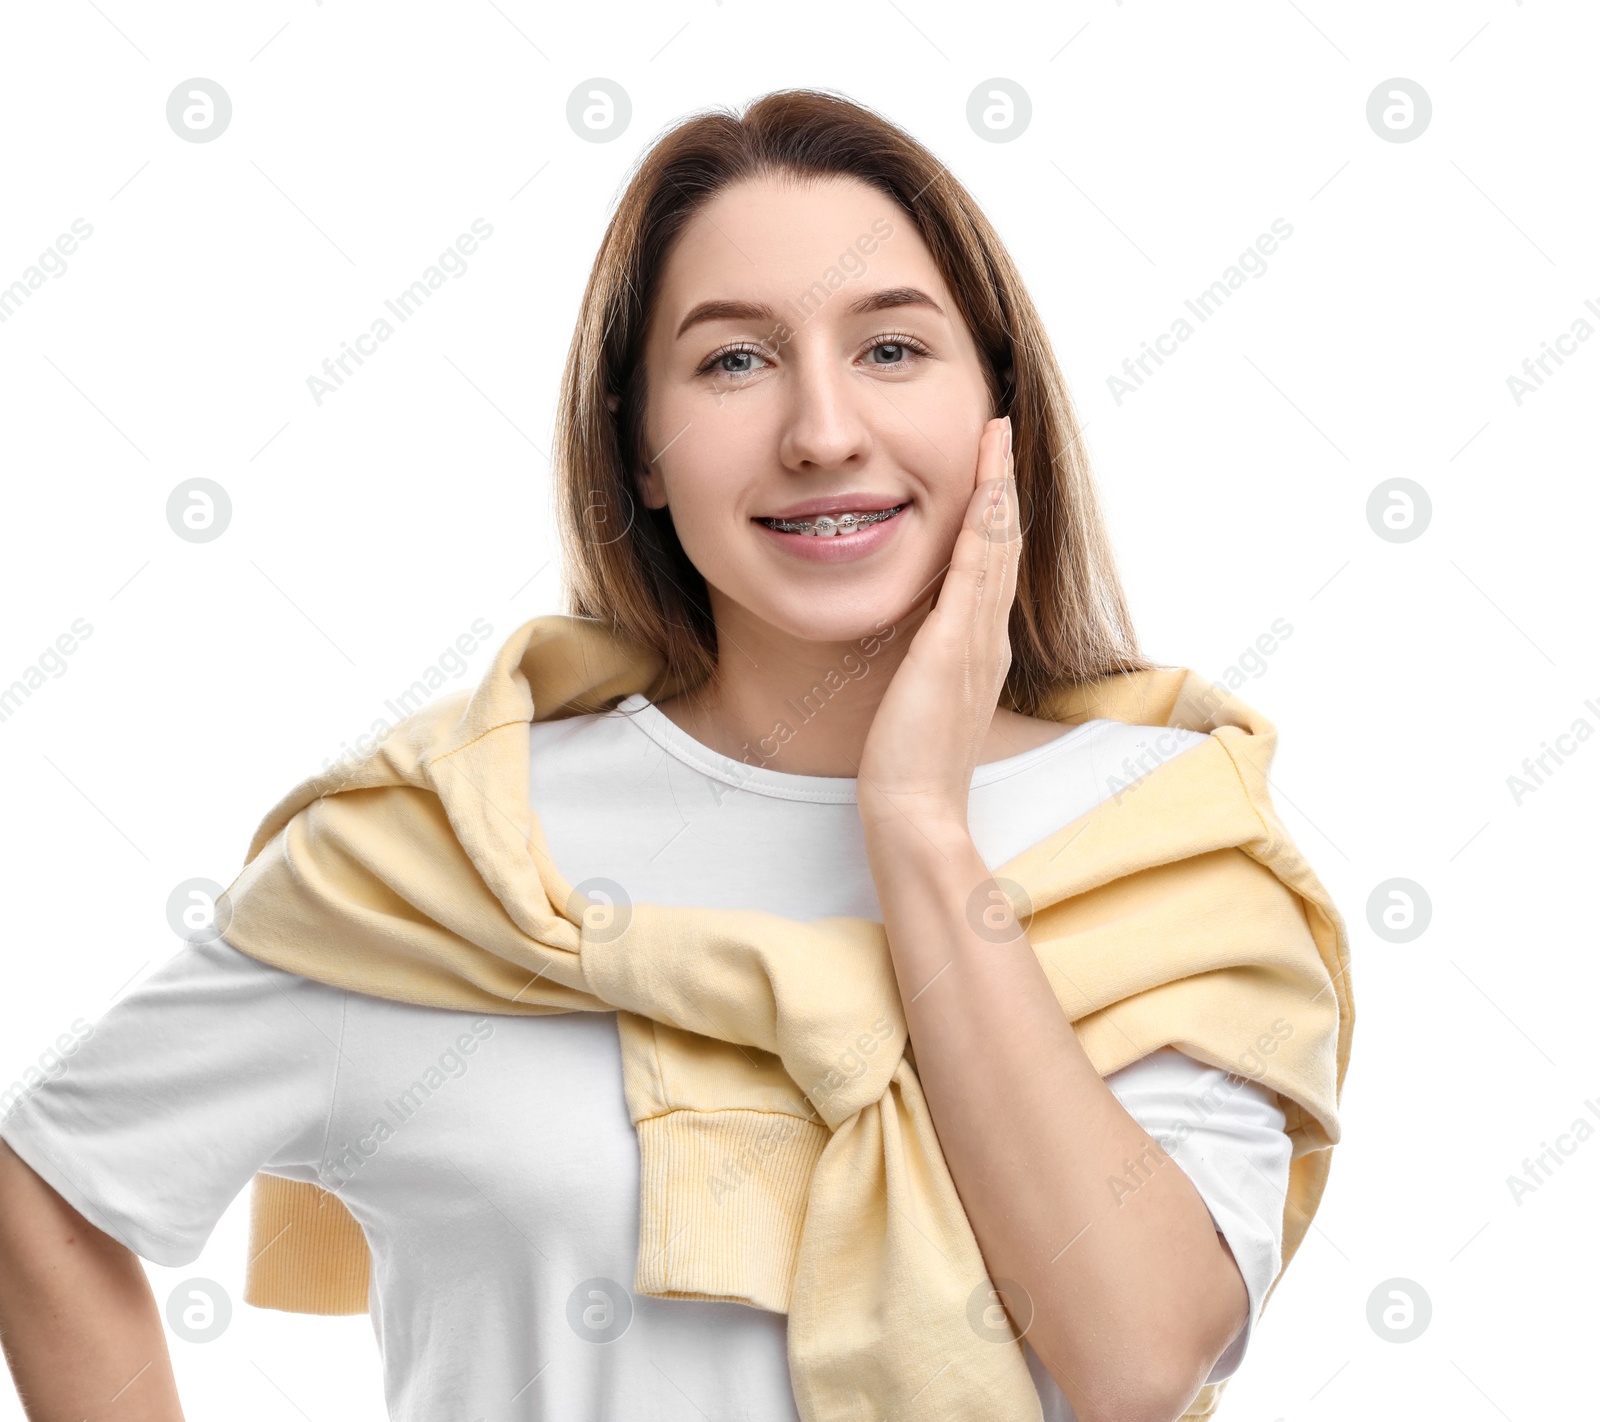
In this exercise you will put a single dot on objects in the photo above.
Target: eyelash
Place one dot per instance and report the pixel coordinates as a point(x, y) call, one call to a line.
point(892, 338)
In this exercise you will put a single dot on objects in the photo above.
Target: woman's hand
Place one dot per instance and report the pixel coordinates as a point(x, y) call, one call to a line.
point(916, 767)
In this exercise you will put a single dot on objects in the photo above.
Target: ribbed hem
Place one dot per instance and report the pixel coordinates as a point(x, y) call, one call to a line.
point(327, 1268)
point(722, 1202)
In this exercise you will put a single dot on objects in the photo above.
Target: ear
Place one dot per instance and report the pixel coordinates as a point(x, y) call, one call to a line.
point(646, 480)
point(652, 493)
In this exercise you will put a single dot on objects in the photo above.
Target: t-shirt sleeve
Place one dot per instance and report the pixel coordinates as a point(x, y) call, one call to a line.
point(1227, 1134)
point(216, 1067)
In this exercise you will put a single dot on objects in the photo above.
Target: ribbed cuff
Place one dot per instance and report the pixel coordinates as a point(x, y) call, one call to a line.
point(327, 1269)
point(722, 1202)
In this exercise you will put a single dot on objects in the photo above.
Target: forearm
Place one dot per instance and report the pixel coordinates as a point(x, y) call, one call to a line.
point(80, 1327)
point(1134, 1294)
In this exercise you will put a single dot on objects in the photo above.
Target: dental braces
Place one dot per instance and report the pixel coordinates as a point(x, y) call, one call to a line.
point(827, 527)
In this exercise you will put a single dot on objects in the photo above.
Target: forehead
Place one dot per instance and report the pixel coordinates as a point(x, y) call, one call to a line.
point(775, 237)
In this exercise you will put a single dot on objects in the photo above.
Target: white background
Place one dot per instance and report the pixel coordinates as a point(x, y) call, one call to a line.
point(369, 532)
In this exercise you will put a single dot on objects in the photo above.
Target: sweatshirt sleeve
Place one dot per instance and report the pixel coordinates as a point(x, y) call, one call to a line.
point(216, 1067)
point(1226, 1133)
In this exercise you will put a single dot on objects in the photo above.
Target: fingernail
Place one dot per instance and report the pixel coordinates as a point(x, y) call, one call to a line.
point(1005, 447)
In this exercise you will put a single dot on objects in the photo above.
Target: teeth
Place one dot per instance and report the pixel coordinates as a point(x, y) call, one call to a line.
point(826, 526)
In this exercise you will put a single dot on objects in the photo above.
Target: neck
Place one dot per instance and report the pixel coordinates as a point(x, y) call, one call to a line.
point(788, 704)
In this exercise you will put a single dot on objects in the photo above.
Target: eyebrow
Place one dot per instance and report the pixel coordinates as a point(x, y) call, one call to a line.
point(884, 300)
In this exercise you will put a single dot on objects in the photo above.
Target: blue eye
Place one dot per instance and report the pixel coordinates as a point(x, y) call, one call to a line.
point(910, 350)
point(712, 365)
point(721, 356)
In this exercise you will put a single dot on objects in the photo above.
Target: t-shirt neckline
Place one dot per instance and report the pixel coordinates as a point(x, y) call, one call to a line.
point(781, 784)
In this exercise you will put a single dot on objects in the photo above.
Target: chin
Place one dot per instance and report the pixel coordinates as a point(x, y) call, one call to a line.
point(835, 606)
point(809, 619)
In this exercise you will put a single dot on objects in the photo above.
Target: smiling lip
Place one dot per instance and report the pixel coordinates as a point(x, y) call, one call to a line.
point(835, 505)
point(837, 547)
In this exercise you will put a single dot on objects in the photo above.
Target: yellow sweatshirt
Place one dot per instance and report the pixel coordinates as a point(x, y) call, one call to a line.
point(1178, 912)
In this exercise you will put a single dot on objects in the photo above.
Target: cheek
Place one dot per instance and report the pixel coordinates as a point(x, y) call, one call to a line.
point(700, 475)
point(942, 455)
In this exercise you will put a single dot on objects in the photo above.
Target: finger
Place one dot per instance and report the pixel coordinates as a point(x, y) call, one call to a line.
point(997, 520)
point(1013, 526)
point(969, 559)
point(987, 551)
point(966, 557)
point(992, 474)
point(992, 451)
point(1004, 553)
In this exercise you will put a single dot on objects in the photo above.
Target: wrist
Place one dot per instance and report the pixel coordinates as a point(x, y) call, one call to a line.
point(938, 838)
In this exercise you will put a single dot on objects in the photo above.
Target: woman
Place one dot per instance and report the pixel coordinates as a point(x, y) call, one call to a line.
point(815, 456)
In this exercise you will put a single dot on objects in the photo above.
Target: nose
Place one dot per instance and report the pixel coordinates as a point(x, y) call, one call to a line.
point(825, 424)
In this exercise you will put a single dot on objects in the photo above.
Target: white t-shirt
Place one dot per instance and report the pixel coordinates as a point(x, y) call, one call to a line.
point(490, 1160)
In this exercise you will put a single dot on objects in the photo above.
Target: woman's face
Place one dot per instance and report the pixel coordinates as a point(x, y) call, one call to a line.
point(804, 351)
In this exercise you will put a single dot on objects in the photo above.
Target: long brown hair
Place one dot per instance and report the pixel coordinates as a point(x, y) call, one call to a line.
point(623, 563)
